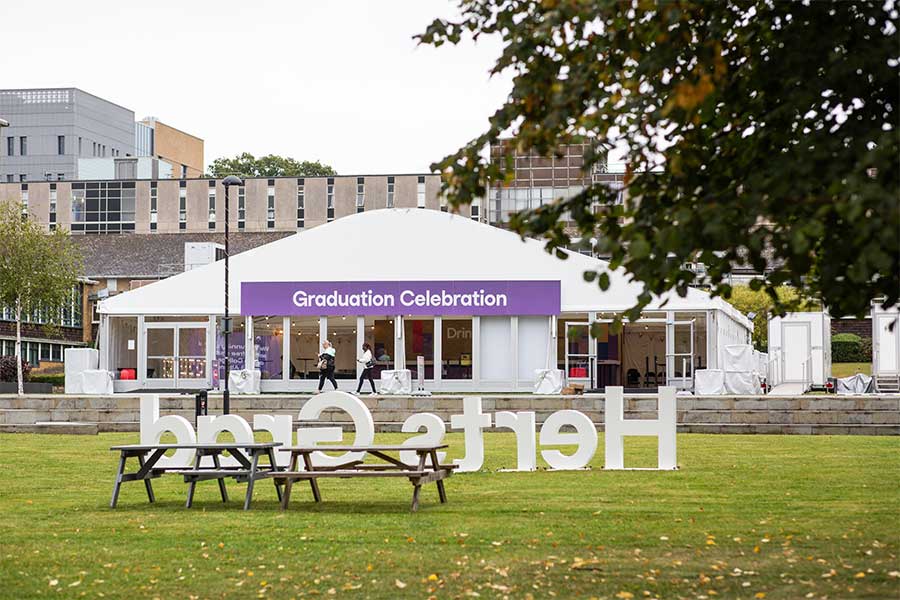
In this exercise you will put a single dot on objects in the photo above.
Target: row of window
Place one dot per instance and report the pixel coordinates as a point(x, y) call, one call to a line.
point(69, 316)
point(97, 149)
point(109, 206)
point(35, 352)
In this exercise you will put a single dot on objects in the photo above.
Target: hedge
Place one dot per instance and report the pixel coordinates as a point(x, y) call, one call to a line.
point(849, 347)
point(58, 379)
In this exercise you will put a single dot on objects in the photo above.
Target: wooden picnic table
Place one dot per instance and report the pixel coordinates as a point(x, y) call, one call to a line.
point(247, 454)
point(427, 469)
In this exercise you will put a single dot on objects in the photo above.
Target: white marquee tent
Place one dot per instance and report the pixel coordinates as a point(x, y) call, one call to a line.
point(403, 245)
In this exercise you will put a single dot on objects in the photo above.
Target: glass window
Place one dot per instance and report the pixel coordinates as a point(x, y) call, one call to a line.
point(418, 338)
point(267, 340)
point(60, 144)
point(390, 192)
point(329, 200)
point(242, 207)
point(160, 353)
point(154, 206)
point(211, 196)
point(10, 146)
point(456, 348)
point(301, 203)
point(420, 192)
point(380, 336)
point(122, 330)
point(192, 352)
point(23, 146)
point(104, 207)
point(342, 335)
point(304, 348)
point(270, 207)
point(236, 353)
point(360, 194)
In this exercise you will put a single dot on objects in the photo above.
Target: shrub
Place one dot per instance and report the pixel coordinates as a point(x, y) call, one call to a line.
point(56, 379)
point(8, 369)
point(848, 347)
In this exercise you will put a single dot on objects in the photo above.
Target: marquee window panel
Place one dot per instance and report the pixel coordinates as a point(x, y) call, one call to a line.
point(496, 357)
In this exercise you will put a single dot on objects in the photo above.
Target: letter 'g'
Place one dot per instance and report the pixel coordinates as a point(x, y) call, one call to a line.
point(153, 427)
point(362, 421)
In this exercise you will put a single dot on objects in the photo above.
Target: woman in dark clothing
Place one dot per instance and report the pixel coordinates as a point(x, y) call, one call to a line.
point(368, 362)
point(326, 365)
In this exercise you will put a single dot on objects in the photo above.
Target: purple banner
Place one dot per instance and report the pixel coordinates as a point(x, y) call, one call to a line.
point(382, 298)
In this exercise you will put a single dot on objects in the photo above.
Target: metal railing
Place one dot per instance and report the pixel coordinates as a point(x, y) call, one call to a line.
point(807, 373)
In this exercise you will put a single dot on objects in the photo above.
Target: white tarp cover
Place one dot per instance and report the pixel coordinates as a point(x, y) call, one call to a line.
point(77, 361)
point(739, 358)
point(762, 362)
point(742, 383)
point(427, 245)
point(709, 382)
point(96, 381)
point(548, 381)
point(396, 382)
point(244, 381)
point(855, 384)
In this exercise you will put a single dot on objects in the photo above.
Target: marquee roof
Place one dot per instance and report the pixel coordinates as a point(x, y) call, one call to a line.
point(398, 245)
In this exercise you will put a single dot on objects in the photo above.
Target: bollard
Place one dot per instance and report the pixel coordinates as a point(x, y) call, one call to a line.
point(200, 405)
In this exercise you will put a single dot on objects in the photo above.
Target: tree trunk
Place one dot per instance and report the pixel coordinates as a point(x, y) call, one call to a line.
point(19, 347)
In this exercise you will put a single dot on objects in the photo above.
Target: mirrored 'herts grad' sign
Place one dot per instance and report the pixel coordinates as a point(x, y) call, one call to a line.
point(384, 298)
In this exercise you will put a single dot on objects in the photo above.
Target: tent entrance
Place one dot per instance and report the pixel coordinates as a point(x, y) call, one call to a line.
point(176, 355)
point(680, 354)
point(581, 354)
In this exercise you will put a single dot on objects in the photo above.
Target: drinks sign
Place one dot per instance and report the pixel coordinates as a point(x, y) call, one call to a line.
point(385, 298)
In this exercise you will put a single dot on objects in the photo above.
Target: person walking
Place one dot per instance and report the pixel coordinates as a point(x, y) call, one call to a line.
point(368, 363)
point(326, 365)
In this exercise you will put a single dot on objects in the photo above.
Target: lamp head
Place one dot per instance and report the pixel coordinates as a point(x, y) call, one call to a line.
point(232, 180)
point(4, 123)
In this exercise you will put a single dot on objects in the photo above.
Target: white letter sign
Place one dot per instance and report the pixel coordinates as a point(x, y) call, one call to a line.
point(523, 424)
point(663, 427)
point(472, 421)
point(362, 421)
point(585, 437)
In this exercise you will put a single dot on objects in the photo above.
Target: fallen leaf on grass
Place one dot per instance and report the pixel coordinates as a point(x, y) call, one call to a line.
point(624, 595)
point(399, 584)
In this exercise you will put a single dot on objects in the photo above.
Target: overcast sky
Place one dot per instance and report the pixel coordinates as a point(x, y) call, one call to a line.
point(339, 81)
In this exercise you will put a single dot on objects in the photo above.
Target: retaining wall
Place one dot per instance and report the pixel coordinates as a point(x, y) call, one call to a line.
point(868, 415)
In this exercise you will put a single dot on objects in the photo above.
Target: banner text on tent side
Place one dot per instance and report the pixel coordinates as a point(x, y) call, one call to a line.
point(384, 298)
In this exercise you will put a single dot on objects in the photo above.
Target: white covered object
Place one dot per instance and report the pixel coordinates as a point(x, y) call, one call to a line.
point(741, 383)
point(762, 362)
point(885, 341)
point(800, 346)
point(244, 381)
point(738, 357)
point(396, 382)
point(96, 381)
point(77, 361)
point(709, 382)
point(855, 384)
point(548, 381)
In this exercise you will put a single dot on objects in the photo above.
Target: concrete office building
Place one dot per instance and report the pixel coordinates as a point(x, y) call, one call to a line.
point(59, 134)
point(50, 129)
point(198, 205)
point(538, 180)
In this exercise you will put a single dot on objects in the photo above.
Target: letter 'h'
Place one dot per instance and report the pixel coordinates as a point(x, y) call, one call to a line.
point(663, 427)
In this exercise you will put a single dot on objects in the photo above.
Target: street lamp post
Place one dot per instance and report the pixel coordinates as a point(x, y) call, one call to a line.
point(228, 182)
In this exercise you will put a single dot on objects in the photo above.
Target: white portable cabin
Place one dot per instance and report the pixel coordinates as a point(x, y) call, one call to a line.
point(800, 349)
point(886, 347)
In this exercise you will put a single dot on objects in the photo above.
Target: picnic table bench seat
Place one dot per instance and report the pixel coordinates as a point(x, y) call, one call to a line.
point(417, 475)
point(247, 454)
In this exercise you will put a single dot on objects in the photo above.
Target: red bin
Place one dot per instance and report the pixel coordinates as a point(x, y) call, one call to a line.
point(577, 372)
point(128, 374)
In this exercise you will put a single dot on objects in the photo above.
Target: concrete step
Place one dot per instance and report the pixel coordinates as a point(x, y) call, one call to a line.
point(67, 428)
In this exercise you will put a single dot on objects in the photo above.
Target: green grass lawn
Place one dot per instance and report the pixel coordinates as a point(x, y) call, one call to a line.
point(848, 369)
point(745, 517)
